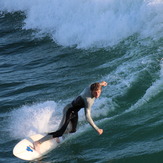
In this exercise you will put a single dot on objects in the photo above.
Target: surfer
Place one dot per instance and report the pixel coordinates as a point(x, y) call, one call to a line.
point(70, 113)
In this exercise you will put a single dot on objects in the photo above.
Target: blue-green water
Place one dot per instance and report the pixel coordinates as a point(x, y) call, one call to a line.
point(51, 50)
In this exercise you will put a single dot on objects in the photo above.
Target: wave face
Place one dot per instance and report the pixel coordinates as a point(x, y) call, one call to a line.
point(93, 23)
point(51, 50)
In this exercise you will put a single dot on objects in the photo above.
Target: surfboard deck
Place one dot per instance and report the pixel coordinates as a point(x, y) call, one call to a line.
point(24, 149)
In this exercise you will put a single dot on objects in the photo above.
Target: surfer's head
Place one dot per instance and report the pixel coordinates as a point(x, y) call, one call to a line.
point(96, 90)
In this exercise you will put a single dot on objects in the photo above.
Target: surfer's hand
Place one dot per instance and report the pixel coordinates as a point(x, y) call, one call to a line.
point(104, 83)
point(100, 131)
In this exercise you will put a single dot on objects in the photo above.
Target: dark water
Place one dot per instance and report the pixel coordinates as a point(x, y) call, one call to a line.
point(51, 50)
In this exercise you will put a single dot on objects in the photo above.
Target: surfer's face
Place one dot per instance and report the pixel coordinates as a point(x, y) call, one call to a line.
point(96, 93)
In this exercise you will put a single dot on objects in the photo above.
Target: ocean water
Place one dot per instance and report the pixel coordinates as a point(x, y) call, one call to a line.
point(51, 50)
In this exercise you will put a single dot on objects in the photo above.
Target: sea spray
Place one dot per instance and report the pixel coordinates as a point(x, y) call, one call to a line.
point(87, 24)
point(33, 119)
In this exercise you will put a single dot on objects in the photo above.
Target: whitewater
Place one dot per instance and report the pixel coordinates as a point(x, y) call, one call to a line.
point(93, 23)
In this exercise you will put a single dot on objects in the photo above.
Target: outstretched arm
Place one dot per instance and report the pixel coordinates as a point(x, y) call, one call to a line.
point(91, 122)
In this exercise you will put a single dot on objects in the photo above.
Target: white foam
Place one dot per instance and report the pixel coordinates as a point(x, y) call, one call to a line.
point(93, 23)
point(33, 119)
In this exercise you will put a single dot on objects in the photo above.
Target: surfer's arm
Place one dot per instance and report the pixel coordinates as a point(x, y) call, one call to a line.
point(90, 120)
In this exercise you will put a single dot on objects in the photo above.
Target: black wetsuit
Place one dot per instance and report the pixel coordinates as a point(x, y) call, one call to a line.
point(70, 116)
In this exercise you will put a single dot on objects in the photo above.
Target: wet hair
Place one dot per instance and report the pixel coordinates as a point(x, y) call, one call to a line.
point(95, 87)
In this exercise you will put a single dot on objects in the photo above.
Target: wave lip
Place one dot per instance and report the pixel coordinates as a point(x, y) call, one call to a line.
point(87, 24)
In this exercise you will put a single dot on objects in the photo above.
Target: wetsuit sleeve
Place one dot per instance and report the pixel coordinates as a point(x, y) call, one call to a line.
point(89, 118)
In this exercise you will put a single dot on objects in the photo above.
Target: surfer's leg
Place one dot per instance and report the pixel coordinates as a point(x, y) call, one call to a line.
point(37, 144)
point(45, 138)
point(62, 129)
point(64, 115)
point(52, 135)
point(74, 122)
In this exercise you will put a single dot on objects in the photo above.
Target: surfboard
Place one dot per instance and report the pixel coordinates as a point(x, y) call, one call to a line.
point(24, 149)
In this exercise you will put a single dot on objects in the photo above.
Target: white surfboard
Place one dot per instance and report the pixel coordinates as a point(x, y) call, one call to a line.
point(24, 149)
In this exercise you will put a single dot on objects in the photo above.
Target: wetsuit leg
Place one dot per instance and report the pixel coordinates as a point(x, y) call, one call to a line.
point(74, 122)
point(62, 129)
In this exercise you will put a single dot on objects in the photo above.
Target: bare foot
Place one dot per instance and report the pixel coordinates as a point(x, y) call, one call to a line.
point(36, 146)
